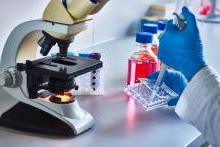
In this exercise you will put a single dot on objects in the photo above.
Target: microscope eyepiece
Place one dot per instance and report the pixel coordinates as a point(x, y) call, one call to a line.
point(94, 1)
point(64, 3)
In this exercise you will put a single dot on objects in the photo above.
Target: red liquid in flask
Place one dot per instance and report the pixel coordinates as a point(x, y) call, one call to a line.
point(140, 67)
point(154, 48)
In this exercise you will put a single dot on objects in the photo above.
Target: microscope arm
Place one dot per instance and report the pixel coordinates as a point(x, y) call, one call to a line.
point(14, 47)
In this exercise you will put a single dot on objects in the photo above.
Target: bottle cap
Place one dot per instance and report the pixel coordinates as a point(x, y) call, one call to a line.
point(96, 56)
point(150, 27)
point(84, 55)
point(144, 37)
point(161, 25)
point(146, 21)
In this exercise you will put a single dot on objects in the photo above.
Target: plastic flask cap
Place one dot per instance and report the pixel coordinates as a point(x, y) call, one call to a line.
point(70, 54)
point(84, 55)
point(161, 25)
point(151, 28)
point(96, 56)
point(144, 37)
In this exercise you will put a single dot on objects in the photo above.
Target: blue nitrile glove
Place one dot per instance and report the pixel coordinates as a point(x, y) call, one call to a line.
point(182, 49)
point(173, 79)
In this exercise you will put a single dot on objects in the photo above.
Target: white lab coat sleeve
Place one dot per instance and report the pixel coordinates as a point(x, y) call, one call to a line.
point(199, 104)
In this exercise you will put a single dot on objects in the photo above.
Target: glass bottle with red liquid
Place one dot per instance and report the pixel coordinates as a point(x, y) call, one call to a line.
point(153, 28)
point(143, 62)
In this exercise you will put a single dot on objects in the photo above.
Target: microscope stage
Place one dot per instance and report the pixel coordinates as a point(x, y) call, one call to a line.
point(63, 68)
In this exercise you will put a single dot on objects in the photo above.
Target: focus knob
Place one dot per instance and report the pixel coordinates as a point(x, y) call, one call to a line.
point(5, 79)
point(10, 78)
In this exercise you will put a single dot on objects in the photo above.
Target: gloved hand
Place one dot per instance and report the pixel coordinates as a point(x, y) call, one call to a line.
point(182, 49)
point(175, 80)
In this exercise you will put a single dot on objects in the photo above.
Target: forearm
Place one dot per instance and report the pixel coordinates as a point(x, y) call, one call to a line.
point(199, 104)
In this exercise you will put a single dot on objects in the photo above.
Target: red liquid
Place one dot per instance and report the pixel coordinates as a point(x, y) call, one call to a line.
point(155, 51)
point(154, 48)
point(141, 67)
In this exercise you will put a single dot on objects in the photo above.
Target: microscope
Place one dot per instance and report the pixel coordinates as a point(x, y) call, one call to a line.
point(38, 93)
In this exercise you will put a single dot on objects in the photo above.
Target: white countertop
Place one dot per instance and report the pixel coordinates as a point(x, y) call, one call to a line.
point(119, 122)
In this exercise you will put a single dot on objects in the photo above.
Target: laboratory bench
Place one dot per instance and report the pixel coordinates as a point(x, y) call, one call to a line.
point(119, 121)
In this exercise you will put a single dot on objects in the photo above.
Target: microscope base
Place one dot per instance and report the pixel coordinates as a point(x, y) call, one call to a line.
point(28, 118)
